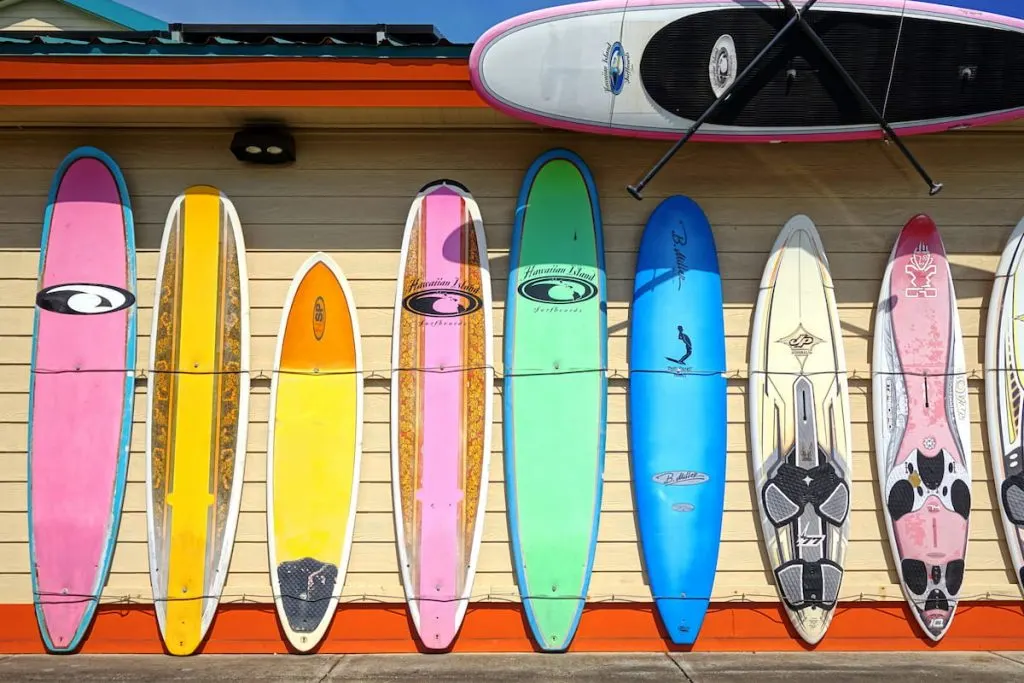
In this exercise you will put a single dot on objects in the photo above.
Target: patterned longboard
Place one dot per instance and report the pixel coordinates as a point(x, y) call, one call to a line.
point(556, 353)
point(314, 446)
point(800, 428)
point(80, 422)
point(1004, 393)
point(441, 394)
point(198, 412)
point(922, 429)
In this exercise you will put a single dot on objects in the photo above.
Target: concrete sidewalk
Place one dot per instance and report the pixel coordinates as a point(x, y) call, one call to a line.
point(972, 667)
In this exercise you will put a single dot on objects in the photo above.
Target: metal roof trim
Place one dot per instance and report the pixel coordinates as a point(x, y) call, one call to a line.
point(363, 40)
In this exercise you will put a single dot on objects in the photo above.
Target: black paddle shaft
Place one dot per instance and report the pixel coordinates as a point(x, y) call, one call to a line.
point(796, 19)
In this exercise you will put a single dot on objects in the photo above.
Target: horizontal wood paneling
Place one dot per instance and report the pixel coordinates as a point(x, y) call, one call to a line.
point(348, 194)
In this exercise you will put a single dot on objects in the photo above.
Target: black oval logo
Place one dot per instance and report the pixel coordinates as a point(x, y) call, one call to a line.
point(319, 317)
point(442, 302)
point(557, 289)
point(84, 299)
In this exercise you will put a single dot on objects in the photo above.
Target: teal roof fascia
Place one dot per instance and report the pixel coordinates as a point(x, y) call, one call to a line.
point(48, 46)
point(116, 13)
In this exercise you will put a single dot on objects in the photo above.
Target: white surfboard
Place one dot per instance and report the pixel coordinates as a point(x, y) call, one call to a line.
point(800, 428)
point(1004, 392)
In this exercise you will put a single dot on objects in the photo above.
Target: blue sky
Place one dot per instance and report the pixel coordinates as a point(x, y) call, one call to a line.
point(461, 21)
point(458, 20)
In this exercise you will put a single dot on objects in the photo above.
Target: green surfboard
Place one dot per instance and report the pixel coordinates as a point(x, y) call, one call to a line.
point(556, 334)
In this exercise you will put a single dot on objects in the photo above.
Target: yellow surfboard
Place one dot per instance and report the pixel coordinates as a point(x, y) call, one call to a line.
point(313, 449)
point(198, 412)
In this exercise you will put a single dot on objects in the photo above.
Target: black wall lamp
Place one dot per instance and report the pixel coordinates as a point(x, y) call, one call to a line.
point(264, 145)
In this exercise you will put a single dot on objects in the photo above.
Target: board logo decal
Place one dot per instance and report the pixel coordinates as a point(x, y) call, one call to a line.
point(557, 284)
point(800, 342)
point(921, 269)
point(80, 298)
point(687, 344)
point(617, 67)
point(722, 65)
point(960, 397)
point(679, 240)
point(680, 478)
point(442, 303)
point(319, 318)
point(442, 298)
point(683, 507)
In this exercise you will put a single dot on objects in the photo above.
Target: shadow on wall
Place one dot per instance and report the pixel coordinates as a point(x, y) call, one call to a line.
point(351, 192)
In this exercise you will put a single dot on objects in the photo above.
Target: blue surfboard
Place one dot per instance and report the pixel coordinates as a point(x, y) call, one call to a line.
point(677, 406)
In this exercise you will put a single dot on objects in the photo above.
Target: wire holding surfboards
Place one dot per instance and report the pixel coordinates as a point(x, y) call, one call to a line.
point(385, 373)
point(268, 597)
point(797, 19)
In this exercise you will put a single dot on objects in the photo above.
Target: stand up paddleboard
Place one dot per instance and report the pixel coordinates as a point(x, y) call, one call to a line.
point(556, 336)
point(1004, 392)
point(198, 412)
point(441, 395)
point(314, 445)
point(922, 430)
point(651, 68)
point(677, 406)
point(800, 428)
point(80, 393)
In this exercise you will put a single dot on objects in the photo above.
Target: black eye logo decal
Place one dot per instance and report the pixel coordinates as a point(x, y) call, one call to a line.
point(557, 289)
point(84, 299)
point(442, 303)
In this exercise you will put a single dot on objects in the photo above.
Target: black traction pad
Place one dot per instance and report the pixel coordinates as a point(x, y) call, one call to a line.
point(928, 81)
point(306, 589)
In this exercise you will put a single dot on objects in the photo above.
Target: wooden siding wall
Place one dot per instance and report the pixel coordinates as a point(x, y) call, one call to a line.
point(47, 15)
point(349, 194)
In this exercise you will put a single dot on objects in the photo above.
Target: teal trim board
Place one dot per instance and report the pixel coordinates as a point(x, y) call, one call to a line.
point(555, 391)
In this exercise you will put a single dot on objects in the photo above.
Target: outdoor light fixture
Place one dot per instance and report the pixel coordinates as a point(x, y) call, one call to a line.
point(271, 145)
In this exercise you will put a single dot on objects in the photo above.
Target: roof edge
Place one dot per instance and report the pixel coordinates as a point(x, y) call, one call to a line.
point(112, 12)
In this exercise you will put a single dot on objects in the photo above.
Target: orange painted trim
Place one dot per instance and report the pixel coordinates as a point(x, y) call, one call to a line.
point(378, 628)
point(243, 82)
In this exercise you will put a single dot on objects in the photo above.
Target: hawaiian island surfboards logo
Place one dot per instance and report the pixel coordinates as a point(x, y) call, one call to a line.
point(319, 318)
point(617, 68)
point(84, 299)
point(442, 298)
point(557, 285)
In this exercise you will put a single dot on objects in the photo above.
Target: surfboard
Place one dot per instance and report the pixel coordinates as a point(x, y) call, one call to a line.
point(1004, 393)
point(800, 428)
point(677, 411)
point(922, 429)
point(314, 447)
point(81, 392)
point(555, 392)
point(441, 394)
point(198, 405)
point(650, 69)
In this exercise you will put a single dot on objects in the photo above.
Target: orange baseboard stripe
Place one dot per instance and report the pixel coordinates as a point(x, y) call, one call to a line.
point(385, 628)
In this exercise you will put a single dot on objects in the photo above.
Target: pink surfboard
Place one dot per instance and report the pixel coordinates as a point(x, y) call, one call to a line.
point(441, 392)
point(922, 431)
point(80, 392)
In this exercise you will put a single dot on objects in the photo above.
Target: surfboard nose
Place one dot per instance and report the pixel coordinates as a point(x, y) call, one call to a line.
point(551, 67)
